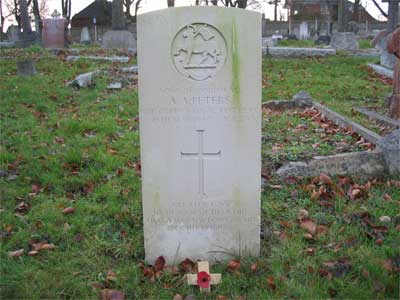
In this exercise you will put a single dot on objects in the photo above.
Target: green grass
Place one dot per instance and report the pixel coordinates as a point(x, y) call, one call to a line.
point(340, 82)
point(297, 43)
point(365, 44)
point(61, 142)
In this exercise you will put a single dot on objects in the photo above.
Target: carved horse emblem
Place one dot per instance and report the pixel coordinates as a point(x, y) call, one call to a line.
point(199, 43)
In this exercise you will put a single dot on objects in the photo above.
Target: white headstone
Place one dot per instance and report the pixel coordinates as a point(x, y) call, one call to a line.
point(303, 31)
point(200, 129)
point(85, 36)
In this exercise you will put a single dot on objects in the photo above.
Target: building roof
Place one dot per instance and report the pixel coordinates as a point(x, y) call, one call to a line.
point(99, 9)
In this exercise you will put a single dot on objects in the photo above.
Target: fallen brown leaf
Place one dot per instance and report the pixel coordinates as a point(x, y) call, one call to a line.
point(233, 265)
point(159, 263)
point(16, 253)
point(308, 225)
point(108, 294)
point(68, 210)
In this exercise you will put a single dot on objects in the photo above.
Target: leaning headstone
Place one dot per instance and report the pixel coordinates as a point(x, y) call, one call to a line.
point(13, 33)
point(85, 36)
point(26, 68)
point(344, 41)
point(53, 33)
point(200, 116)
point(303, 31)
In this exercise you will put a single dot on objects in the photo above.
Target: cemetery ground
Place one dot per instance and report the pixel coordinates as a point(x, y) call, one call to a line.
point(71, 218)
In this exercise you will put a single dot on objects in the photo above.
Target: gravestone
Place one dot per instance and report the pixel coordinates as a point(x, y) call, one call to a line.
point(13, 33)
point(346, 41)
point(200, 117)
point(303, 31)
point(26, 68)
point(85, 36)
point(53, 33)
point(119, 39)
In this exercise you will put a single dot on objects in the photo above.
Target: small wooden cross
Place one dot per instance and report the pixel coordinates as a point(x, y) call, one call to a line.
point(203, 278)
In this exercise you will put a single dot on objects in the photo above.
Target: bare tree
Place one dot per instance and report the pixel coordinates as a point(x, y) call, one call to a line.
point(137, 7)
point(128, 5)
point(380, 9)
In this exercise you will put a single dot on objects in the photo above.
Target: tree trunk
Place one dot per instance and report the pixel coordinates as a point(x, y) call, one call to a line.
point(38, 19)
point(118, 17)
point(214, 2)
point(276, 10)
point(171, 3)
point(241, 3)
point(26, 22)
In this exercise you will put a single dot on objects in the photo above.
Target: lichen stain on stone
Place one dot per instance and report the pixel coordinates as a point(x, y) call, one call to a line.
point(235, 67)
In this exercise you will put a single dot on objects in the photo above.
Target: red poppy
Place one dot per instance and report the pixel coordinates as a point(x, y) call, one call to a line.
point(203, 279)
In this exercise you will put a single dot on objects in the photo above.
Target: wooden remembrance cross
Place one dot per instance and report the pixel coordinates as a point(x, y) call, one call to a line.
point(203, 278)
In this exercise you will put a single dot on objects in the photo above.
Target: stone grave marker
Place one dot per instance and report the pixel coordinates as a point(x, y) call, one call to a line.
point(53, 33)
point(303, 31)
point(85, 36)
point(200, 118)
point(13, 33)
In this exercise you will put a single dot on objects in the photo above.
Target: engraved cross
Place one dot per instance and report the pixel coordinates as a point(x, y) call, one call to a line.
point(200, 155)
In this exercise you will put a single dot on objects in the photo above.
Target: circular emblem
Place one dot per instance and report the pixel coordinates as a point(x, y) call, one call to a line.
point(199, 51)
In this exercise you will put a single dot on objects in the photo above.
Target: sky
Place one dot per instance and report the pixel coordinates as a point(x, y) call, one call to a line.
point(149, 5)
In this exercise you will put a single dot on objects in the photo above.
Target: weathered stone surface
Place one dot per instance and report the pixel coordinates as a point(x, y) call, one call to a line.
point(298, 52)
point(200, 118)
point(360, 164)
point(115, 86)
point(390, 146)
point(119, 39)
point(344, 41)
point(279, 104)
point(132, 69)
point(26, 68)
point(343, 121)
point(121, 59)
point(381, 70)
point(269, 42)
point(303, 99)
point(7, 44)
point(378, 117)
point(53, 33)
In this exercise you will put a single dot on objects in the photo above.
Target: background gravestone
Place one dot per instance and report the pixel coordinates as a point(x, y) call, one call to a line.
point(26, 68)
point(85, 36)
point(53, 33)
point(200, 101)
point(13, 33)
point(119, 37)
point(303, 31)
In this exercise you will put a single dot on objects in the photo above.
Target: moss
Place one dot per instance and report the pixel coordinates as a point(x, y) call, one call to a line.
point(235, 67)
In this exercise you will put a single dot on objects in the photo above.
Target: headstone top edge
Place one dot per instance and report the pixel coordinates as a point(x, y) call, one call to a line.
point(221, 8)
